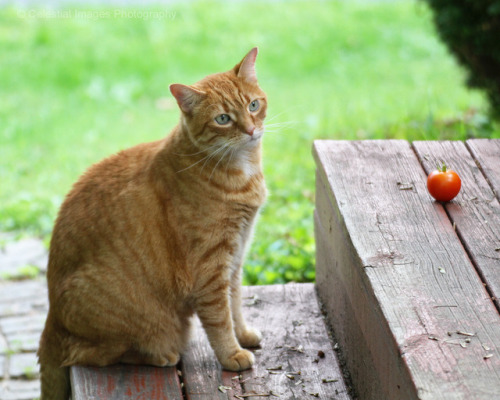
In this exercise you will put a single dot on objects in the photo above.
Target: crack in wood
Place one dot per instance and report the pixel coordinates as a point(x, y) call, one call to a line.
point(178, 370)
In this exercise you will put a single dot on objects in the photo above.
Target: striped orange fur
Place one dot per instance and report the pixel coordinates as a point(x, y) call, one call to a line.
point(156, 233)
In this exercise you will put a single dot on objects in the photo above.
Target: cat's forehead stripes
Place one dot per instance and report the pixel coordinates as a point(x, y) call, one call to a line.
point(229, 92)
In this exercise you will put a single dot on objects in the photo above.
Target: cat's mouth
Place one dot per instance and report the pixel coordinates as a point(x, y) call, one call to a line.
point(257, 135)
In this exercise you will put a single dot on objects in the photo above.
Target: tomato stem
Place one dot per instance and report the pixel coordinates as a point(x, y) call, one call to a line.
point(442, 167)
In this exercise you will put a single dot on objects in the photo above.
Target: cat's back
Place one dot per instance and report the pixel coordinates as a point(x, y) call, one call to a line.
point(114, 174)
point(104, 202)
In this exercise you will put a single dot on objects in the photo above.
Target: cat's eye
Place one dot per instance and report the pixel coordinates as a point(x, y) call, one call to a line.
point(222, 119)
point(254, 105)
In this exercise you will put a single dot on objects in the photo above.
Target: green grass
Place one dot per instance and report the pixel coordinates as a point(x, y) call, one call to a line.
point(73, 90)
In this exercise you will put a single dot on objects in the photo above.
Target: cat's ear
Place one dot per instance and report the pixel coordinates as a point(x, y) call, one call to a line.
point(187, 97)
point(246, 68)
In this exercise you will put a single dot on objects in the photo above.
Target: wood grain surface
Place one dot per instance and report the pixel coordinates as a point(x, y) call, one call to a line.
point(125, 382)
point(475, 212)
point(487, 154)
point(412, 316)
point(295, 360)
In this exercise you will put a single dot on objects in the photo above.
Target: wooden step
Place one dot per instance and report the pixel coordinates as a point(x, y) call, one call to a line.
point(295, 361)
point(410, 284)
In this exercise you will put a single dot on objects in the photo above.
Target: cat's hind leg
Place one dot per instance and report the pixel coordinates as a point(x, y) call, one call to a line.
point(162, 348)
point(79, 351)
point(137, 357)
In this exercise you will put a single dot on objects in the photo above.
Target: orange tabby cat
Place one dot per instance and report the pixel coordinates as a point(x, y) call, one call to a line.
point(156, 233)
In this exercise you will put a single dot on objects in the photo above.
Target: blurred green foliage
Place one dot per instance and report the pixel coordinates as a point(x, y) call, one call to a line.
point(471, 30)
point(76, 89)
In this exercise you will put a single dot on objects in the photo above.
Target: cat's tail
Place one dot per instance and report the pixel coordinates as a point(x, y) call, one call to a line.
point(55, 382)
point(53, 377)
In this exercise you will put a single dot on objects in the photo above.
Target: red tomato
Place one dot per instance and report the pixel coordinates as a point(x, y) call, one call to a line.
point(443, 184)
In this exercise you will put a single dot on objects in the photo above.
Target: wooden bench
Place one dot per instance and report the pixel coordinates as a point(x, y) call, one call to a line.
point(295, 361)
point(411, 286)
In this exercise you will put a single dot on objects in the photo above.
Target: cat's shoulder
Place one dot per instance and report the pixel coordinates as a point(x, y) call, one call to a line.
point(127, 160)
point(117, 169)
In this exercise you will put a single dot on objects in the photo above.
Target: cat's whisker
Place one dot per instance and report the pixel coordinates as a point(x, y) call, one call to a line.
point(276, 116)
point(281, 123)
point(207, 158)
point(285, 124)
point(213, 154)
point(228, 149)
point(233, 150)
point(198, 152)
point(279, 127)
point(192, 165)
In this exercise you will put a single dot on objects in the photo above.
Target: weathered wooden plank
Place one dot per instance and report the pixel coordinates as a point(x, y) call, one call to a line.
point(475, 211)
point(201, 372)
point(396, 280)
point(293, 333)
point(487, 154)
point(125, 382)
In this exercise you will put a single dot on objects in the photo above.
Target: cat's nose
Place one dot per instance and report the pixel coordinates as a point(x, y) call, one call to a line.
point(250, 130)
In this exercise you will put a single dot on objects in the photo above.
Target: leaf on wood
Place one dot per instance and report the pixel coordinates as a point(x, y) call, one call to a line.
point(405, 186)
point(291, 375)
point(244, 396)
point(465, 333)
point(224, 389)
point(457, 342)
point(298, 349)
point(254, 300)
point(329, 380)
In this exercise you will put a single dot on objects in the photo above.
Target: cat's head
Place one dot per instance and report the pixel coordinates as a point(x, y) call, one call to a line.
point(227, 108)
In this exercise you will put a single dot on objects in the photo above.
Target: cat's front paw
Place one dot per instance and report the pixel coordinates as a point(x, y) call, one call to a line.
point(250, 338)
point(241, 360)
